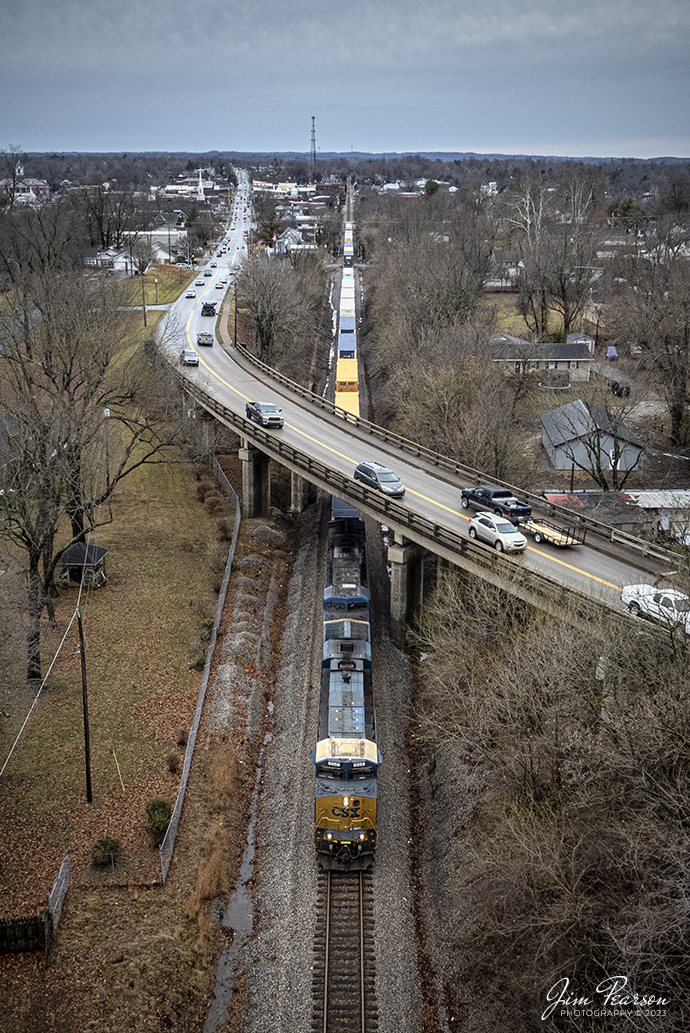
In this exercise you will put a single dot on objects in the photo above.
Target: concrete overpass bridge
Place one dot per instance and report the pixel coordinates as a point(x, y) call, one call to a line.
point(321, 445)
point(584, 599)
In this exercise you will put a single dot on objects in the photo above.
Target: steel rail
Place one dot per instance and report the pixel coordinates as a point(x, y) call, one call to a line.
point(327, 957)
point(361, 951)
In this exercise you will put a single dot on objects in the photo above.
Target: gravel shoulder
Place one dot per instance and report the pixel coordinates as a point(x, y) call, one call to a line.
point(272, 970)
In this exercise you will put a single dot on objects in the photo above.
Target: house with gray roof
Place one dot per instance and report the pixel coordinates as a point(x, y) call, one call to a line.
point(588, 437)
point(557, 365)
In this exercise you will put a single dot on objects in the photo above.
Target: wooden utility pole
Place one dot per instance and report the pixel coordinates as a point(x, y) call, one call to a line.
point(85, 698)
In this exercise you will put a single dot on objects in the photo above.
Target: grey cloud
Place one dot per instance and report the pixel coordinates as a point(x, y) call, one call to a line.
point(453, 73)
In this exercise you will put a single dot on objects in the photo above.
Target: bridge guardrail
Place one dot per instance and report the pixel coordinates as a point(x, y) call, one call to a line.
point(419, 528)
point(605, 531)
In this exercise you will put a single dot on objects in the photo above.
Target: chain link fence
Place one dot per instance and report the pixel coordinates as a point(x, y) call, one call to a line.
point(57, 894)
point(167, 846)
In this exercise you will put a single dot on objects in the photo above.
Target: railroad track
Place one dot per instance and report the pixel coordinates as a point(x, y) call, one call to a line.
point(344, 970)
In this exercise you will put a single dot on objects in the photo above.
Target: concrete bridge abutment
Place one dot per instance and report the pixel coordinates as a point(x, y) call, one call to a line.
point(256, 480)
point(407, 585)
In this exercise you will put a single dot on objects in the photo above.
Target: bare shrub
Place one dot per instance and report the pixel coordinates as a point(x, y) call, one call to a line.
point(173, 762)
point(224, 530)
point(215, 504)
point(576, 755)
point(211, 880)
point(205, 487)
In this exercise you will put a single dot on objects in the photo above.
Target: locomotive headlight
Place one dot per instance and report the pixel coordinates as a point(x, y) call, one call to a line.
point(362, 835)
point(346, 800)
point(329, 835)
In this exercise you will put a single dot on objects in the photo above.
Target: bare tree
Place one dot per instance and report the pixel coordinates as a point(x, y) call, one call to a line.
point(558, 246)
point(653, 311)
point(559, 765)
point(143, 254)
point(11, 172)
point(36, 238)
point(269, 287)
point(112, 214)
point(76, 422)
point(269, 220)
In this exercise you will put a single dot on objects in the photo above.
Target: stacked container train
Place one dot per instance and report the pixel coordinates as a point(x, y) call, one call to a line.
point(346, 755)
point(346, 374)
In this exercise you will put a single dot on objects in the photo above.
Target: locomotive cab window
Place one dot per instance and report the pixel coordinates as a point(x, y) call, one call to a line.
point(339, 774)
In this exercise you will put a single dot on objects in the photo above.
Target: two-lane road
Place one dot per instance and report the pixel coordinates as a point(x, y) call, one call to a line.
point(333, 443)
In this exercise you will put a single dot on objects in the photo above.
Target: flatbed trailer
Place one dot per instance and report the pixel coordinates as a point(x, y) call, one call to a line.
point(545, 531)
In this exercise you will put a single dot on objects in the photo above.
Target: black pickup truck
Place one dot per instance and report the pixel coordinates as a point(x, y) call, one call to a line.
point(496, 500)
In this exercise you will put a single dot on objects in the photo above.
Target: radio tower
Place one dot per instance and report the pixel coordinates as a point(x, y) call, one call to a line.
point(313, 143)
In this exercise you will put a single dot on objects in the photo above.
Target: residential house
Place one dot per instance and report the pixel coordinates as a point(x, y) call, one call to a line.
point(556, 365)
point(505, 270)
point(583, 436)
point(109, 258)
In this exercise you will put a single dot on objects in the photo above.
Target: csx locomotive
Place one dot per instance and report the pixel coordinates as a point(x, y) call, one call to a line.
point(346, 755)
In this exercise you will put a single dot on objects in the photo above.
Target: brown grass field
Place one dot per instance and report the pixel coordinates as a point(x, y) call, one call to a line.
point(129, 954)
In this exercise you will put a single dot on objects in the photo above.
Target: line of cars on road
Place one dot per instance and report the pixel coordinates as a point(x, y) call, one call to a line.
point(188, 354)
point(497, 528)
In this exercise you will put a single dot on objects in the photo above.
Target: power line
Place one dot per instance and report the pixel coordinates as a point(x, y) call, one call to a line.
point(52, 664)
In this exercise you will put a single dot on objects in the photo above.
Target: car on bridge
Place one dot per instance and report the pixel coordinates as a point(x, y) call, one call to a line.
point(500, 500)
point(664, 605)
point(189, 357)
point(264, 413)
point(498, 532)
point(380, 477)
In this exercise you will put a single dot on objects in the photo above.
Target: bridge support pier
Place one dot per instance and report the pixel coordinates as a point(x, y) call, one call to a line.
point(256, 480)
point(299, 492)
point(407, 585)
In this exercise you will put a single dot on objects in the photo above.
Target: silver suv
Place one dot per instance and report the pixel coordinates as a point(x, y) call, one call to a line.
point(497, 531)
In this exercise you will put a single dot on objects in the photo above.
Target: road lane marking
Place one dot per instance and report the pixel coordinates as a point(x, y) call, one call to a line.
point(426, 498)
point(569, 566)
point(530, 548)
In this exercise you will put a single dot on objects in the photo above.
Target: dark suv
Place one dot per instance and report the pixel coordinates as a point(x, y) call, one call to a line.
point(499, 500)
point(380, 477)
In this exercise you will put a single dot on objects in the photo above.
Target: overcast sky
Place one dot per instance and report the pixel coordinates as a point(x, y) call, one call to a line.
point(561, 77)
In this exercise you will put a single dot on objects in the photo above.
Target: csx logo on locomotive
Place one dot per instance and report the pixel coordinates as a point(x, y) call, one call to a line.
point(347, 812)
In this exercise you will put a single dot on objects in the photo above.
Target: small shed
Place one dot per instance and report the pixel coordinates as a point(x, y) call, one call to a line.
point(82, 562)
point(668, 511)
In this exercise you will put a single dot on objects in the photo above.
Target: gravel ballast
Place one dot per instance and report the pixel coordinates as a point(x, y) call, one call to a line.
point(272, 968)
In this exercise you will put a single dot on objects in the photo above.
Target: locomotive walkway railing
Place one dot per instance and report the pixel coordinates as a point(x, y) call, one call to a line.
point(466, 473)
